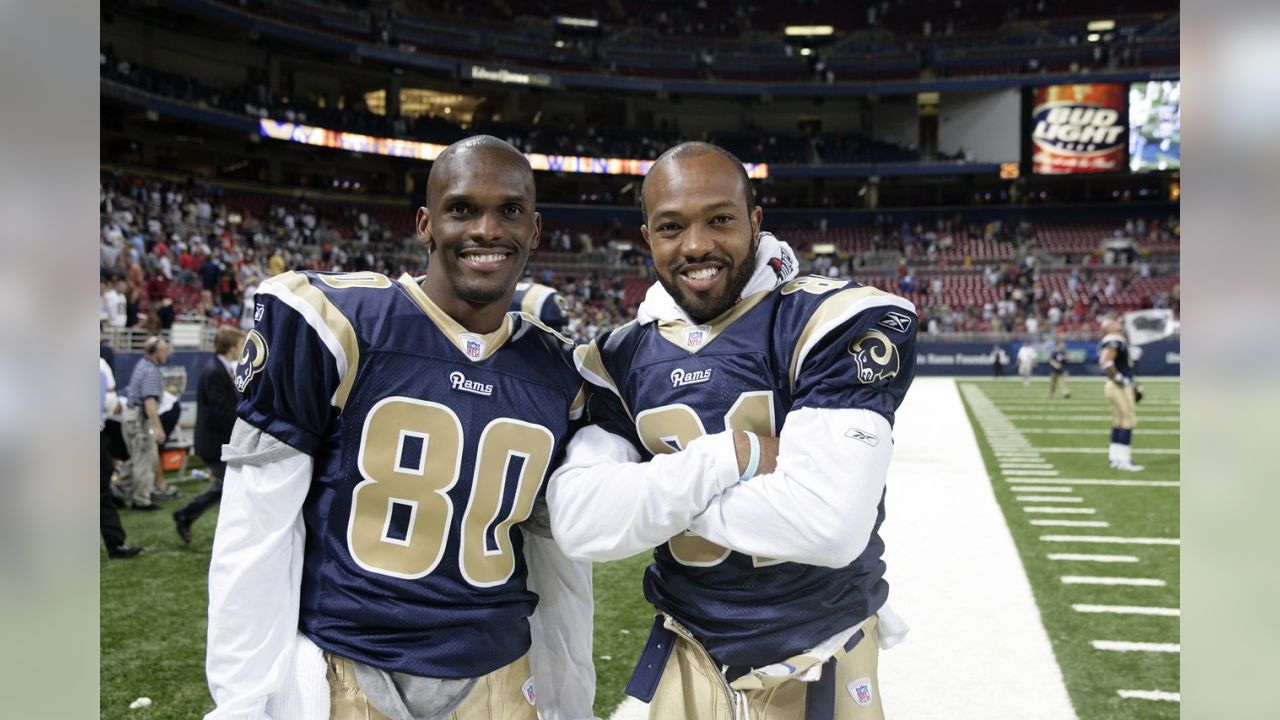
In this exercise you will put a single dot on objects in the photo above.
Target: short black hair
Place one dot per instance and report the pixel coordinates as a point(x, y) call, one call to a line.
point(694, 148)
point(488, 142)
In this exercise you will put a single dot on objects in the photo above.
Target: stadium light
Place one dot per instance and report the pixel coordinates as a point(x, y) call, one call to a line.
point(577, 22)
point(808, 30)
point(1101, 25)
point(806, 51)
point(1094, 37)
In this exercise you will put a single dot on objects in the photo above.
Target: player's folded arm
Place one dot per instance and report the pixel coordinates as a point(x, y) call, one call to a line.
point(606, 505)
point(821, 503)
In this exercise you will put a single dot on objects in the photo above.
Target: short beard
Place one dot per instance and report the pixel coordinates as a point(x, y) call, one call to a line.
point(700, 311)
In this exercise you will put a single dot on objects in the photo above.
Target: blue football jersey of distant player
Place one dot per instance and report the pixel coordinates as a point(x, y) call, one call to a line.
point(429, 444)
point(812, 343)
point(541, 302)
point(1121, 345)
point(1060, 358)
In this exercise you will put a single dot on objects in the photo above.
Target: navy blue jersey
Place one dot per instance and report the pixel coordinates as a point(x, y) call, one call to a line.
point(1058, 361)
point(541, 302)
point(1121, 346)
point(812, 343)
point(430, 443)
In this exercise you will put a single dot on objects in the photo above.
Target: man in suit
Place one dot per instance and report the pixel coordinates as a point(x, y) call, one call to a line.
point(216, 400)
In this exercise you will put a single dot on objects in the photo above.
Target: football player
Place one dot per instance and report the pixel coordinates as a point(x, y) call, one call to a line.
point(391, 436)
point(541, 302)
point(771, 600)
point(1121, 391)
point(1058, 370)
point(1026, 362)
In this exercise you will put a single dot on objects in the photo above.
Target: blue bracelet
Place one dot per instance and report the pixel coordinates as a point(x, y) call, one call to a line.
point(754, 462)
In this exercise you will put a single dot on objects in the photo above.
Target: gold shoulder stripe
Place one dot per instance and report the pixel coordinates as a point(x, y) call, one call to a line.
point(591, 366)
point(834, 311)
point(533, 320)
point(579, 403)
point(534, 297)
point(450, 327)
point(334, 328)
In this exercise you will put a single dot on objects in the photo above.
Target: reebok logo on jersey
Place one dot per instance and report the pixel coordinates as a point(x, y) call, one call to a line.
point(460, 382)
point(680, 378)
point(258, 310)
point(896, 321)
point(862, 435)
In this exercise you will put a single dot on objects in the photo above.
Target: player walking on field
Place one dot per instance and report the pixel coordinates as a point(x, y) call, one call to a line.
point(771, 595)
point(392, 433)
point(1122, 392)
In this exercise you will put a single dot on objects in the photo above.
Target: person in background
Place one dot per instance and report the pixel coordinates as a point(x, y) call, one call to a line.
point(1122, 392)
point(143, 431)
point(109, 524)
point(999, 358)
point(542, 302)
point(215, 416)
point(1058, 370)
point(1026, 362)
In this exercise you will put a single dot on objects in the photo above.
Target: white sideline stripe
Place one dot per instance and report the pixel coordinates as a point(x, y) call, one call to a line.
point(1051, 498)
point(1103, 451)
point(1059, 510)
point(1090, 580)
point(1096, 481)
point(1072, 523)
point(1037, 488)
point(1110, 539)
point(1125, 646)
point(1150, 695)
point(939, 480)
point(1081, 557)
point(1090, 431)
point(1094, 418)
point(1128, 610)
point(1020, 471)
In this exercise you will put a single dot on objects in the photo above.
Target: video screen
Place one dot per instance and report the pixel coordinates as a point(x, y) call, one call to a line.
point(1078, 129)
point(1155, 126)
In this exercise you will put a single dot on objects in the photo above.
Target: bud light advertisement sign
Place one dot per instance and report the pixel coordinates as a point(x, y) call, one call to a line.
point(1079, 129)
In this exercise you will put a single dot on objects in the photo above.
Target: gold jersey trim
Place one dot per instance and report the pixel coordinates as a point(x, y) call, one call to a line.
point(673, 330)
point(451, 328)
point(334, 328)
point(591, 366)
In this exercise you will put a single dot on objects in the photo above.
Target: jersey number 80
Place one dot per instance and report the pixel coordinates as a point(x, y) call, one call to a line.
point(411, 456)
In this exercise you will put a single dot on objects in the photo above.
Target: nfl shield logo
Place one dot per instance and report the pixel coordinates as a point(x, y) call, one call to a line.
point(860, 689)
point(472, 345)
point(695, 336)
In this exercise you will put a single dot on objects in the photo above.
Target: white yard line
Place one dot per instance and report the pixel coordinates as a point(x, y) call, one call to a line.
point(1095, 481)
point(1125, 646)
point(1044, 510)
point(1150, 695)
point(1128, 610)
point(939, 488)
point(1052, 498)
point(1090, 580)
point(1061, 431)
point(1138, 451)
point(1071, 523)
point(1110, 539)
point(1045, 473)
point(1084, 557)
point(1094, 418)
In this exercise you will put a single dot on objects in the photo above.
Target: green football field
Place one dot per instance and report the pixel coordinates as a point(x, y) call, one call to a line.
point(152, 615)
point(1100, 546)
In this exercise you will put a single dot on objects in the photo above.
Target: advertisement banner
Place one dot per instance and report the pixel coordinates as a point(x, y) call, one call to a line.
point(1148, 326)
point(1079, 128)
